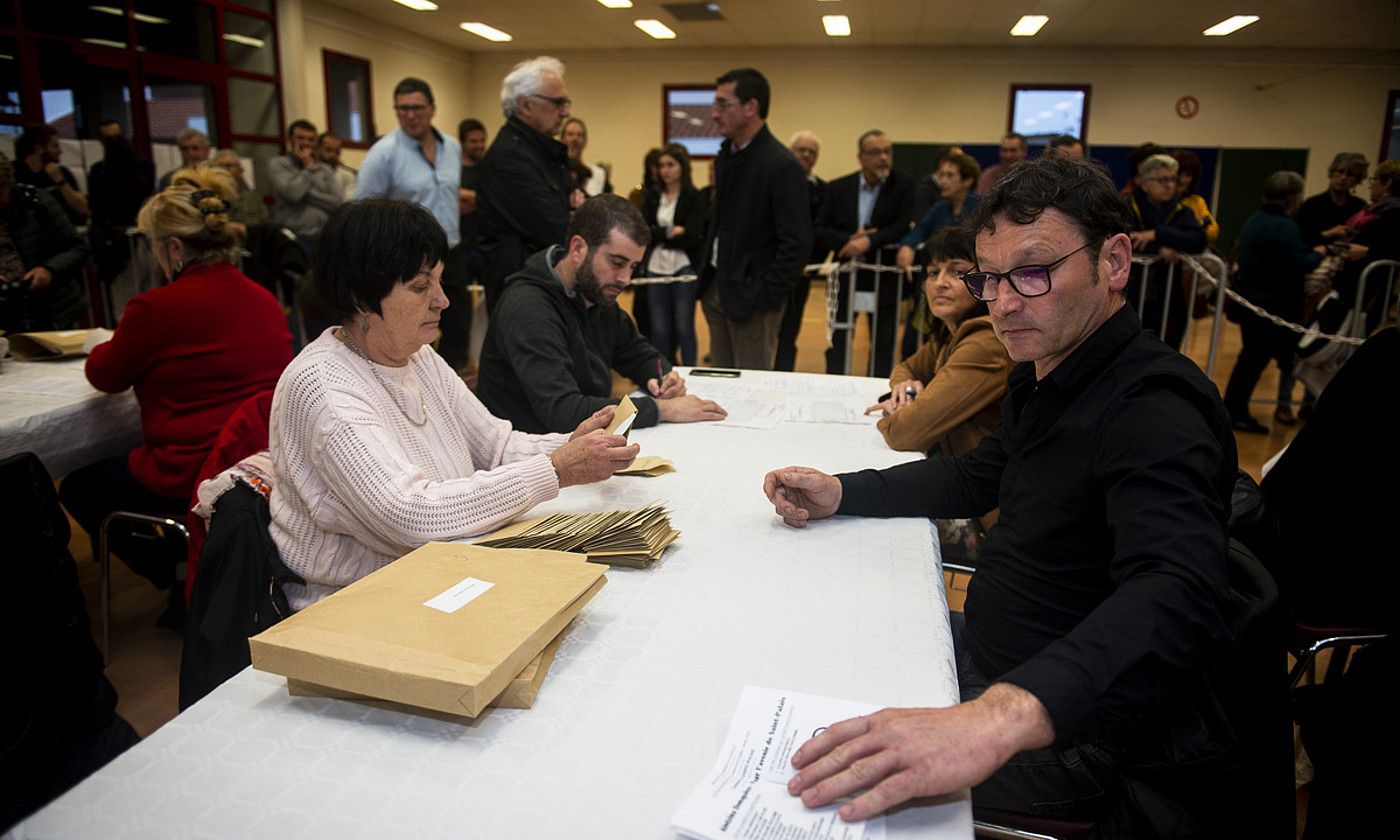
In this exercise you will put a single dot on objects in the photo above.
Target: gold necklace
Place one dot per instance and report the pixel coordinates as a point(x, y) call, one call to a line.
point(344, 336)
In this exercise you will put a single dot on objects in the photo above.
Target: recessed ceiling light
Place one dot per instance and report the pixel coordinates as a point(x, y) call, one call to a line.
point(1231, 24)
point(1028, 25)
point(481, 30)
point(112, 10)
point(655, 29)
point(617, 4)
point(836, 26)
point(419, 5)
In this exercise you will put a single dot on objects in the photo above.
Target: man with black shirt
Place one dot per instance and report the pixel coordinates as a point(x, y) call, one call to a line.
point(471, 133)
point(37, 156)
point(1102, 592)
point(863, 212)
point(557, 332)
point(805, 146)
point(760, 233)
point(526, 191)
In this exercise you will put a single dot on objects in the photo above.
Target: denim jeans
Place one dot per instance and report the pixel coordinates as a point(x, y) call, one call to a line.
point(672, 308)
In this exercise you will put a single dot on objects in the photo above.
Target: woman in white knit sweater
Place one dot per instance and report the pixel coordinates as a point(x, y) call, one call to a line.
point(377, 445)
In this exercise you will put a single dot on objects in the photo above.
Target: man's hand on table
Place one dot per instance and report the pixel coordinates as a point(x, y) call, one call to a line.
point(592, 457)
point(800, 494)
point(896, 755)
point(689, 409)
point(670, 386)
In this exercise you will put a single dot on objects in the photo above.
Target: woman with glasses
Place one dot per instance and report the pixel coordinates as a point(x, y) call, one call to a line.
point(1161, 225)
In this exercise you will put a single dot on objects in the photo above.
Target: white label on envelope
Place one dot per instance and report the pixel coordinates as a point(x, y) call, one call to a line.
point(458, 596)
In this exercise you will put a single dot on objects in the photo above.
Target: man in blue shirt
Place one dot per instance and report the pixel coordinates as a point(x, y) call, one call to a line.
point(420, 164)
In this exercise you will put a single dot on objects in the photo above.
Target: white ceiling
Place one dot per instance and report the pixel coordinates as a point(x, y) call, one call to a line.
point(541, 25)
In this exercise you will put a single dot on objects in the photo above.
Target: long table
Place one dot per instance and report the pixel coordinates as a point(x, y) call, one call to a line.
point(49, 408)
point(632, 713)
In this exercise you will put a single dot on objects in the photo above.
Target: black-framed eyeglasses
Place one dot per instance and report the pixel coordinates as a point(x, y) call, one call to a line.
point(560, 102)
point(1027, 280)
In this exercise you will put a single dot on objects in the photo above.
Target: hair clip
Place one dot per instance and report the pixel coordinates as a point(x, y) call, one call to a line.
point(199, 195)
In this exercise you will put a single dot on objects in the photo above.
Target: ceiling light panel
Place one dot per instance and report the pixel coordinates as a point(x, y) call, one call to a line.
point(1231, 24)
point(836, 26)
point(419, 5)
point(481, 30)
point(1028, 25)
point(617, 4)
point(655, 29)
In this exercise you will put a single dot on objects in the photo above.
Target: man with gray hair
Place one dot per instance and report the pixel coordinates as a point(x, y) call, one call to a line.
point(1161, 225)
point(1332, 207)
point(194, 148)
point(526, 191)
point(1274, 261)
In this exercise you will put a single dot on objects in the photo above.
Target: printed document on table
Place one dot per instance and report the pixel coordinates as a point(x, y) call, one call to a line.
point(749, 414)
point(745, 795)
point(821, 411)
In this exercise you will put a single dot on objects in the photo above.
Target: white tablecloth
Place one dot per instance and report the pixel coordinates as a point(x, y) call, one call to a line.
point(49, 408)
point(630, 717)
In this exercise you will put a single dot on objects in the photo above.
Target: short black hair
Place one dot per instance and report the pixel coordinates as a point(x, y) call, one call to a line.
point(32, 138)
point(599, 216)
point(304, 125)
point(468, 125)
point(321, 138)
point(368, 246)
point(748, 84)
point(413, 84)
point(1078, 188)
point(1061, 141)
point(952, 243)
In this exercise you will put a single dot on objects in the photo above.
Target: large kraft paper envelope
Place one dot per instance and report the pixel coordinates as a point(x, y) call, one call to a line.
point(378, 638)
point(53, 344)
point(519, 693)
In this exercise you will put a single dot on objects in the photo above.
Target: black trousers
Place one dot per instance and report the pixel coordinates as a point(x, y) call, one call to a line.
point(98, 489)
point(792, 324)
point(456, 322)
point(1261, 341)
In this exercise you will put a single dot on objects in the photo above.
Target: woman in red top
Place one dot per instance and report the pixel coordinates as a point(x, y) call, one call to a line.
point(193, 350)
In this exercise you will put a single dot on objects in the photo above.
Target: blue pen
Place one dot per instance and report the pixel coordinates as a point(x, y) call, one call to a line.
point(910, 393)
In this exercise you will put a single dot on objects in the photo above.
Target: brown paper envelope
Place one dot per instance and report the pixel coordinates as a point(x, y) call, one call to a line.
point(625, 409)
point(53, 344)
point(649, 465)
point(376, 638)
point(519, 694)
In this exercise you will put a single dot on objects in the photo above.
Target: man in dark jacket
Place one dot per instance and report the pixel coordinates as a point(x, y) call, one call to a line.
point(1273, 264)
point(760, 233)
point(526, 190)
point(1160, 224)
point(864, 212)
point(557, 332)
point(806, 146)
point(41, 259)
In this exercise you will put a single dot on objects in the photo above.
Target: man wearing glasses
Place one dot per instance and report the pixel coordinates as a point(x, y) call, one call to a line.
point(420, 164)
point(526, 192)
point(1101, 592)
point(760, 231)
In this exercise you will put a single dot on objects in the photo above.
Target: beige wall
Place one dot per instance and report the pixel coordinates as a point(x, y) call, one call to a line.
point(392, 53)
point(1323, 101)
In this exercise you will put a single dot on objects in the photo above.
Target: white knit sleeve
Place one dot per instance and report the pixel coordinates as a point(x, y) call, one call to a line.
point(493, 441)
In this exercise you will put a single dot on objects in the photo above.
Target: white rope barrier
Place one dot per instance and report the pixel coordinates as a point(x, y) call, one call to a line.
point(1205, 274)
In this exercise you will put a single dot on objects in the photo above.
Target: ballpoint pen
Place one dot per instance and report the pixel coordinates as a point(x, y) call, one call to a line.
point(659, 389)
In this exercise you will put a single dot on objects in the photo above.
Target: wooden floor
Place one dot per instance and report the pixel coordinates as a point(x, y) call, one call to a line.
point(145, 660)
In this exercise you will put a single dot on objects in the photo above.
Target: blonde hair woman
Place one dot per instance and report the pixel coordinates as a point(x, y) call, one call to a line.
point(192, 349)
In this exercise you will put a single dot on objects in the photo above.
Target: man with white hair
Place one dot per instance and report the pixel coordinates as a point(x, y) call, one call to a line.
point(194, 148)
point(526, 191)
point(805, 146)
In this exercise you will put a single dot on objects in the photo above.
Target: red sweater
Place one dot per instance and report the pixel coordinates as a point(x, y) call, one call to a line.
point(193, 350)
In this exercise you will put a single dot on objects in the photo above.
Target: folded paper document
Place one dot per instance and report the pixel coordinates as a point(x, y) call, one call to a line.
point(623, 418)
point(617, 537)
point(649, 465)
point(446, 627)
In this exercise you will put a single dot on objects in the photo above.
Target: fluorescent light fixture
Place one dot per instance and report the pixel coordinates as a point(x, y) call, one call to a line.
point(104, 42)
point(1231, 24)
point(655, 29)
point(419, 5)
point(617, 4)
point(481, 30)
point(1028, 25)
point(246, 40)
point(112, 10)
point(836, 26)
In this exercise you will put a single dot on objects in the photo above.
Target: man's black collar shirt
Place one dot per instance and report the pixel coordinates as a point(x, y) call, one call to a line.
point(1101, 587)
